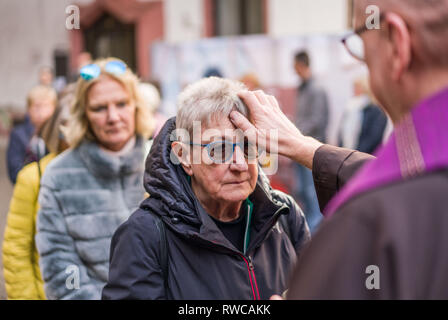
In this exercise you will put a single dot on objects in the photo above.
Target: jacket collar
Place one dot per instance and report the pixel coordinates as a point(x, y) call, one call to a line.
point(306, 83)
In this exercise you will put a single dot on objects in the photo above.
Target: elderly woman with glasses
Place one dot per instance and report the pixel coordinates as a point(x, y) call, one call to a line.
point(213, 228)
point(89, 190)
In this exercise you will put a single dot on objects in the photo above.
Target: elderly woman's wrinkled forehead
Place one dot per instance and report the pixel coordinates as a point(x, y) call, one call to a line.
point(220, 128)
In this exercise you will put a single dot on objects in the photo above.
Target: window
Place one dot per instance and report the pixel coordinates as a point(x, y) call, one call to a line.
point(61, 63)
point(238, 17)
point(108, 37)
point(350, 13)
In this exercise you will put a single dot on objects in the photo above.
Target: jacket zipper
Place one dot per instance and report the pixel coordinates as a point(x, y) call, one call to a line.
point(251, 267)
point(253, 284)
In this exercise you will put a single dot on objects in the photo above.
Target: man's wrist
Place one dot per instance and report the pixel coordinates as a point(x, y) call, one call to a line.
point(303, 150)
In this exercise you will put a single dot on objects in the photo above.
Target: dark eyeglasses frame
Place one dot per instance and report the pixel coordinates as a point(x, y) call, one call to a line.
point(211, 144)
point(358, 31)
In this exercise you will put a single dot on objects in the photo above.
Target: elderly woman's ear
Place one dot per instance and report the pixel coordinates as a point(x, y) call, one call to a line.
point(182, 154)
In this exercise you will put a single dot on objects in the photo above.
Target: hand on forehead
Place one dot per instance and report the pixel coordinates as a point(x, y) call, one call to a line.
point(221, 130)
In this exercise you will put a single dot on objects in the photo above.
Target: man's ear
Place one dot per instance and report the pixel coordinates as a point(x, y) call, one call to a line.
point(182, 153)
point(401, 45)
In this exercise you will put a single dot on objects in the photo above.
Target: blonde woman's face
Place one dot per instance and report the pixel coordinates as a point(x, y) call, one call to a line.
point(111, 111)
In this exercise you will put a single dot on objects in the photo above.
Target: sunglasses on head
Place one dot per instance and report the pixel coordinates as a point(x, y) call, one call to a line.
point(93, 71)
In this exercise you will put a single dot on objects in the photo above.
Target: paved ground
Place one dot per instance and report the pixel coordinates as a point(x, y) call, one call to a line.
point(5, 196)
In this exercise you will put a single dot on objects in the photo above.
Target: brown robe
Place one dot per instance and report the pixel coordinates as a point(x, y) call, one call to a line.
point(402, 228)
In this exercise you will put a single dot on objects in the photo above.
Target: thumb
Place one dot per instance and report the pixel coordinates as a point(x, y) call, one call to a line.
point(240, 121)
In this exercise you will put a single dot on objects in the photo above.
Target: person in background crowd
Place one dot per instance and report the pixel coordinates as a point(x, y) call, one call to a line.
point(24, 147)
point(20, 258)
point(151, 94)
point(90, 189)
point(385, 236)
point(46, 76)
point(312, 119)
point(250, 80)
point(84, 58)
point(227, 233)
point(213, 72)
point(363, 123)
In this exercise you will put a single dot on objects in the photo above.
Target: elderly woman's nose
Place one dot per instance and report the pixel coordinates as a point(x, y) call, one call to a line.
point(239, 161)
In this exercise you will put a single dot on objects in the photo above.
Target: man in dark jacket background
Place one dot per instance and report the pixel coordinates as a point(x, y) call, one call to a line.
point(312, 120)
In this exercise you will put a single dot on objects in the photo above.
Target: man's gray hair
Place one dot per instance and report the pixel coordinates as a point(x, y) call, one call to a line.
point(208, 100)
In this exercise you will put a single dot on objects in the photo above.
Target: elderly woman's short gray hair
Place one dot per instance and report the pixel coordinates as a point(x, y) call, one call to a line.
point(208, 100)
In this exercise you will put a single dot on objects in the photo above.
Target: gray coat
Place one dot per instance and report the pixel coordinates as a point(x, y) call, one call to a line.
point(85, 195)
point(312, 110)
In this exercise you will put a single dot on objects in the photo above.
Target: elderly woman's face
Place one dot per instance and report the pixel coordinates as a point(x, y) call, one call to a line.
point(232, 181)
point(111, 113)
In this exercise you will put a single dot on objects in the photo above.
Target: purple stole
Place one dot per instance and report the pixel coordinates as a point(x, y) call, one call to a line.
point(418, 144)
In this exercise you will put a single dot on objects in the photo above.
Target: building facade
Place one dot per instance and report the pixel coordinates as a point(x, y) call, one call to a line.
point(35, 34)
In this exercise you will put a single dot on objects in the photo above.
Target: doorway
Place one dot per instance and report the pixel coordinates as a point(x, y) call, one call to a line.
point(108, 37)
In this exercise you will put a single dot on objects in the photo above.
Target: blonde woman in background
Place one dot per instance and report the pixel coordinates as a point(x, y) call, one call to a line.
point(88, 191)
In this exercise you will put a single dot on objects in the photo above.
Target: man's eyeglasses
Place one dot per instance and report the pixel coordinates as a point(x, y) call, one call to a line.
point(354, 43)
point(222, 151)
point(93, 71)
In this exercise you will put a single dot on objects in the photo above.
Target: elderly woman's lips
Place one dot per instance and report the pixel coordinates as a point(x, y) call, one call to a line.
point(236, 182)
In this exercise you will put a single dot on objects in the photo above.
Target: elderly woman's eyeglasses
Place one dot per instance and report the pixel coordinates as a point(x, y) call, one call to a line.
point(93, 71)
point(222, 151)
point(354, 43)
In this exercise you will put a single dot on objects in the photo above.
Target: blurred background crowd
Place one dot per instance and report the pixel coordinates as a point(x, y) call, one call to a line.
point(288, 48)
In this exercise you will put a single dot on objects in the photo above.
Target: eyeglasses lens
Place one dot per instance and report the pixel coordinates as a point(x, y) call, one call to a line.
point(355, 46)
point(115, 67)
point(90, 72)
point(220, 152)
